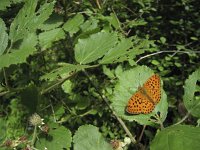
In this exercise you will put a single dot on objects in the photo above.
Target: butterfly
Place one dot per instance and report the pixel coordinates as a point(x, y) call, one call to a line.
point(143, 101)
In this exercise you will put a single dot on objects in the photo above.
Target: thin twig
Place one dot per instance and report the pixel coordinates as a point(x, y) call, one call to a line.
point(56, 84)
point(4, 93)
point(6, 79)
point(141, 134)
point(98, 4)
point(12, 90)
point(103, 97)
point(152, 54)
point(52, 109)
point(34, 136)
point(183, 119)
point(159, 121)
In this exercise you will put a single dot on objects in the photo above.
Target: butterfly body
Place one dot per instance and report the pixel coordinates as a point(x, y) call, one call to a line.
point(143, 101)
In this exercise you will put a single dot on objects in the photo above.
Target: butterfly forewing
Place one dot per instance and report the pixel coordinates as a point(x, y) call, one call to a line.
point(152, 88)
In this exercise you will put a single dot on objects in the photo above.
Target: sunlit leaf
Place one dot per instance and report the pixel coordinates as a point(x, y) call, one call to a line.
point(90, 49)
point(3, 37)
point(63, 71)
point(27, 20)
point(19, 56)
point(88, 138)
point(47, 38)
point(114, 54)
point(128, 84)
point(191, 102)
point(57, 139)
point(4, 4)
point(89, 25)
point(73, 25)
point(182, 137)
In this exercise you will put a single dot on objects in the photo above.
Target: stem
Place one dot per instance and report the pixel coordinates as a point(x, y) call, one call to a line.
point(11, 44)
point(103, 97)
point(6, 79)
point(133, 140)
point(11, 91)
point(183, 119)
point(98, 4)
point(152, 54)
point(4, 93)
point(34, 136)
point(160, 122)
point(141, 134)
point(56, 84)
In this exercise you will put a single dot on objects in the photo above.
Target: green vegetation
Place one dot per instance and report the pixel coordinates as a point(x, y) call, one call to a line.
point(68, 69)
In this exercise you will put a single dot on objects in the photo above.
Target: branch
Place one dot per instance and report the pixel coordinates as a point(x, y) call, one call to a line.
point(156, 53)
point(103, 97)
point(183, 119)
point(51, 87)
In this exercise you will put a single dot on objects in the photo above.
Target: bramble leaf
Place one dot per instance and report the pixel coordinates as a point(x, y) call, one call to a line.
point(192, 102)
point(128, 84)
point(73, 25)
point(19, 56)
point(3, 37)
point(63, 71)
point(27, 20)
point(182, 137)
point(117, 52)
point(90, 49)
point(4, 4)
point(88, 138)
point(57, 139)
point(47, 38)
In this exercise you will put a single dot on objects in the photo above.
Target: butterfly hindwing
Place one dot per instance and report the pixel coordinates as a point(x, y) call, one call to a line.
point(139, 103)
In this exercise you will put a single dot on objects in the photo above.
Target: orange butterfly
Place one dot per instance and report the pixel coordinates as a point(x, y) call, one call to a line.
point(147, 96)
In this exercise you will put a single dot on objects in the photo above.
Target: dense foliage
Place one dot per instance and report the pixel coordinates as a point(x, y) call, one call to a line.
point(68, 69)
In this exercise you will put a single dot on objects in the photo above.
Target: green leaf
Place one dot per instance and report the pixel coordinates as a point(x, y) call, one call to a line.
point(113, 20)
point(126, 50)
point(191, 103)
point(19, 56)
point(53, 22)
point(90, 49)
point(4, 4)
point(194, 38)
point(27, 20)
point(67, 86)
point(57, 139)
point(120, 50)
point(73, 25)
point(3, 37)
point(155, 62)
point(135, 23)
point(3, 129)
point(89, 25)
point(108, 72)
point(128, 84)
point(47, 38)
point(182, 137)
point(82, 102)
point(63, 71)
point(163, 40)
point(88, 138)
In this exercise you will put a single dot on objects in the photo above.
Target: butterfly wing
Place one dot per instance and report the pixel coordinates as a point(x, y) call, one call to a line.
point(139, 103)
point(152, 88)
